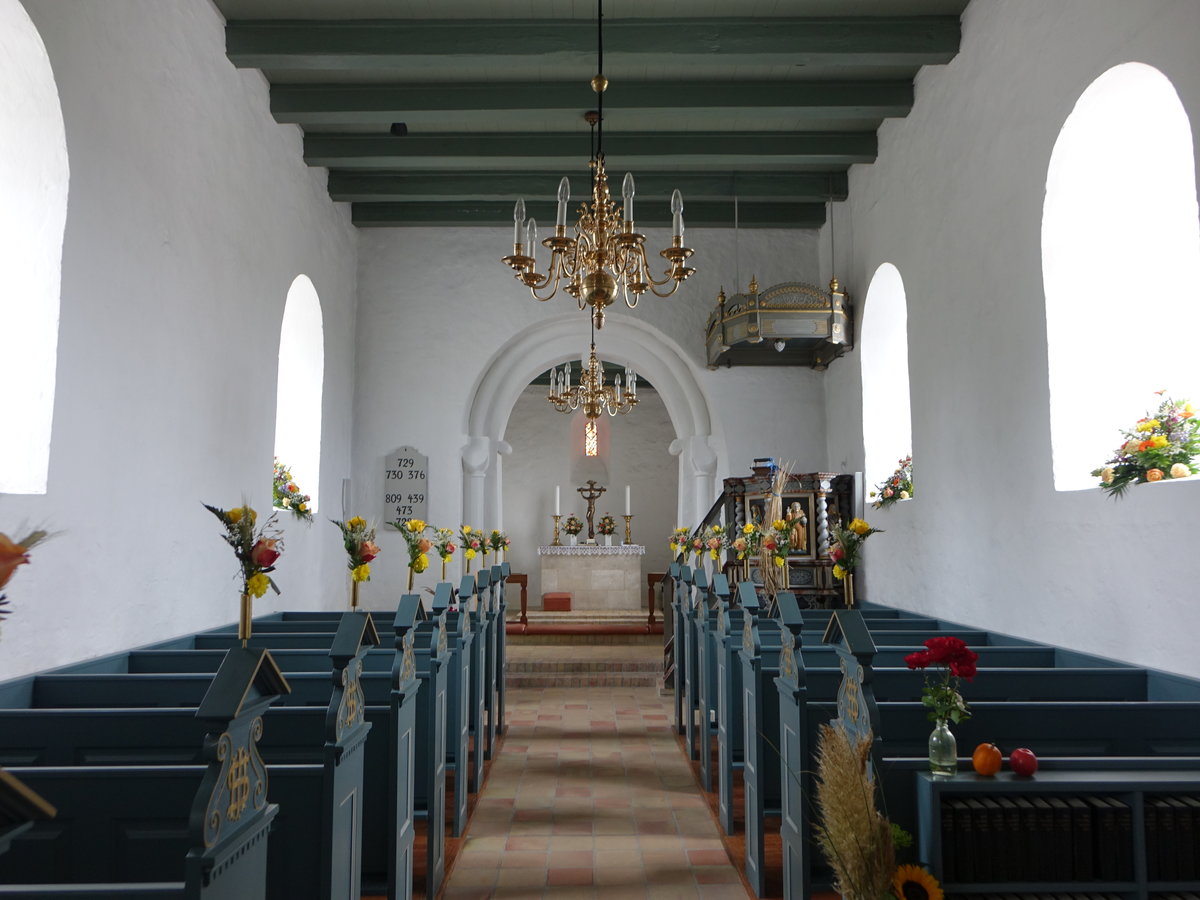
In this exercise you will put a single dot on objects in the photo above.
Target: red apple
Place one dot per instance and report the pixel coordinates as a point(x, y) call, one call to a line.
point(1022, 762)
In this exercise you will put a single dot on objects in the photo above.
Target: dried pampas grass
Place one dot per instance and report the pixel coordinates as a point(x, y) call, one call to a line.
point(773, 575)
point(856, 838)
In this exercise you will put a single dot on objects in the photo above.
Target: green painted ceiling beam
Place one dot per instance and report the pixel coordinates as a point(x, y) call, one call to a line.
point(359, 186)
point(371, 44)
point(700, 214)
point(551, 151)
point(367, 104)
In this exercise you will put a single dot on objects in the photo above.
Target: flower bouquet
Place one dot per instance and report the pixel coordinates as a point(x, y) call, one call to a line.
point(845, 552)
point(443, 543)
point(607, 527)
point(777, 542)
point(898, 486)
point(471, 540)
point(1163, 444)
point(359, 540)
point(953, 661)
point(413, 532)
point(256, 551)
point(714, 540)
point(13, 554)
point(745, 543)
point(286, 495)
point(498, 541)
point(679, 540)
point(573, 526)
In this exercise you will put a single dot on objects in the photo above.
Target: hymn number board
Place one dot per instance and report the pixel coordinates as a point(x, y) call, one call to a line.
point(405, 485)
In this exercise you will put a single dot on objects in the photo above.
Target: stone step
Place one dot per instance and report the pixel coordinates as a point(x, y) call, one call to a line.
point(585, 639)
point(593, 679)
point(548, 667)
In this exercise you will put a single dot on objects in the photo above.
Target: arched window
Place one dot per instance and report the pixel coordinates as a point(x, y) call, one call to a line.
point(883, 349)
point(301, 377)
point(33, 213)
point(1120, 265)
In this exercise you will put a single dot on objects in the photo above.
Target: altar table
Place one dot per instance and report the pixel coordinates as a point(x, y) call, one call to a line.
point(597, 577)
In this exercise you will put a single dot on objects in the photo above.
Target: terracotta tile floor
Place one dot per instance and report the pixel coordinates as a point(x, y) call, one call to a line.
point(590, 796)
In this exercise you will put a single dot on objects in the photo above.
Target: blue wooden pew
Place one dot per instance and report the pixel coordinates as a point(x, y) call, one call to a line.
point(210, 822)
point(1074, 734)
point(501, 581)
point(387, 700)
point(459, 639)
point(429, 785)
point(468, 601)
point(706, 670)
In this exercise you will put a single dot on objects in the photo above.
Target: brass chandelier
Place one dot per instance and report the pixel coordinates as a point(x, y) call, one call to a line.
point(591, 394)
point(605, 257)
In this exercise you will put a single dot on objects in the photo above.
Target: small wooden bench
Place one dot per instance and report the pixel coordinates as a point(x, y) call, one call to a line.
point(556, 601)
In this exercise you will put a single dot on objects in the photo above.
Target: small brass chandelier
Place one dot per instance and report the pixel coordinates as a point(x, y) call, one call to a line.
point(605, 257)
point(591, 393)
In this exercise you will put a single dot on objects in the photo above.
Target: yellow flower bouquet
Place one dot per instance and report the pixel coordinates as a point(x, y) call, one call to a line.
point(359, 540)
point(256, 549)
point(413, 532)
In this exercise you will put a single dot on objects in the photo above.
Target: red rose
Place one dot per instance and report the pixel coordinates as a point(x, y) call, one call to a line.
point(368, 551)
point(964, 669)
point(946, 650)
point(918, 660)
point(264, 554)
point(450, 548)
point(837, 553)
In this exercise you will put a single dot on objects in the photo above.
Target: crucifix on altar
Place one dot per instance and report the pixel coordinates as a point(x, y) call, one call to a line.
point(591, 494)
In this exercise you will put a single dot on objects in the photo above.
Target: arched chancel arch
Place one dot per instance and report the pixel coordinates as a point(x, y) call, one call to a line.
point(624, 340)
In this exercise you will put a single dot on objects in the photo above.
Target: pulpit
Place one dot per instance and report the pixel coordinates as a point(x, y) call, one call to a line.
point(596, 577)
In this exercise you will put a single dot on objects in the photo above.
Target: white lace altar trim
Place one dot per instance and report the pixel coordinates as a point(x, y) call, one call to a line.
point(593, 550)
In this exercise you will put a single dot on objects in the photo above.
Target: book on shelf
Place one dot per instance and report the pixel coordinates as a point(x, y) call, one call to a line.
point(1083, 849)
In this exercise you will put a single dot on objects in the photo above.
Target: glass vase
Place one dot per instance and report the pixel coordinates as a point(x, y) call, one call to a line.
point(943, 750)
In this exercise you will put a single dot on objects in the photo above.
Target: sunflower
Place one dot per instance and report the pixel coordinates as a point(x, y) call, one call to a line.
point(915, 883)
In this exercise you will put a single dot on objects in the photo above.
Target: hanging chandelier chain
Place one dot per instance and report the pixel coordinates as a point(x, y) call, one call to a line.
point(605, 258)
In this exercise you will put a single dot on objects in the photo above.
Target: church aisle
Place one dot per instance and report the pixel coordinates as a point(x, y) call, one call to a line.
point(591, 796)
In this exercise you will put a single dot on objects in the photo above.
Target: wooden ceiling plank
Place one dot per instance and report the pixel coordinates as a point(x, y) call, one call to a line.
point(350, 185)
point(368, 44)
point(385, 151)
point(700, 214)
point(366, 104)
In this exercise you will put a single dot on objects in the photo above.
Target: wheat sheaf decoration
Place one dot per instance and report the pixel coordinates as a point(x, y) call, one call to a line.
point(855, 837)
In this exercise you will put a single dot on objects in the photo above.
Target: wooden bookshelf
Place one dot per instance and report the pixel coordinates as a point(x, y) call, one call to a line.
point(1016, 836)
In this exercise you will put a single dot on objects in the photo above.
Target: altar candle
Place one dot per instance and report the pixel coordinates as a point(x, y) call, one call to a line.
point(627, 500)
point(557, 510)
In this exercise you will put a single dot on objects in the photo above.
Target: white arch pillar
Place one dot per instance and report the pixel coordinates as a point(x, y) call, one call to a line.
point(624, 340)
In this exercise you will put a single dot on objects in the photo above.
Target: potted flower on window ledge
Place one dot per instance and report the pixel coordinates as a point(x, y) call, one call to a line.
point(1162, 445)
point(896, 487)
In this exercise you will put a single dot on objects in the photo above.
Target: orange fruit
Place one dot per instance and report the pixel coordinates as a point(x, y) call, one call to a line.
point(987, 759)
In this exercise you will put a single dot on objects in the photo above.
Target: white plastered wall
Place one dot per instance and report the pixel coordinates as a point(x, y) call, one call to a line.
point(955, 203)
point(190, 213)
point(448, 340)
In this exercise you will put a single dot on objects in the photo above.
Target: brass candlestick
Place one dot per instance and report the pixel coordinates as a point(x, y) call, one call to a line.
point(556, 542)
point(628, 536)
point(245, 613)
